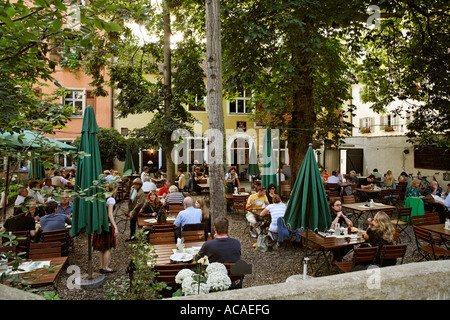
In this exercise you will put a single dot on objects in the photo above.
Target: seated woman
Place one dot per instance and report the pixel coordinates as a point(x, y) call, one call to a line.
point(413, 190)
point(339, 216)
point(380, 232)
point(233, 176)
point(174, 196)
point(275, 210)
point(23, 218)
point(152, 205)
point(271, 194)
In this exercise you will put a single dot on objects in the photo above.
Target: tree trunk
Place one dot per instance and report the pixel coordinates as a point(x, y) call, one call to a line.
point(215, 110)
point(167, 70)
point(303, 116)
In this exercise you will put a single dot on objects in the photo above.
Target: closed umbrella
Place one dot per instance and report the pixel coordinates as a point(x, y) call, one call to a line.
point(32, 140)
point(36, 170)
point(129, 163)
point(308, 205)
point(269, 169)
point(89, 214)
point(253, 169)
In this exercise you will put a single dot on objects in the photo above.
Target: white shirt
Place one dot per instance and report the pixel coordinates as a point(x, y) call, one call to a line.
point(148, 186)
point(447, 201)
point(333, 179)
point(276, 210)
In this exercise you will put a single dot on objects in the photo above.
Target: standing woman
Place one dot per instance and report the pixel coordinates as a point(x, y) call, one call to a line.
point(105, 241)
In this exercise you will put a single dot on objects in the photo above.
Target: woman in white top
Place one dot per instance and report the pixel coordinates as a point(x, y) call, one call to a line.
point(104, 242)
point(276, 210)
point(232, 175)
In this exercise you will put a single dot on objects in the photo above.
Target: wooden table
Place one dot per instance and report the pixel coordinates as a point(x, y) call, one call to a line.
point(359, 208)
point(164, 251)
point(437, 228)
point(325, 245)
point(43, 277)
point(144, 224)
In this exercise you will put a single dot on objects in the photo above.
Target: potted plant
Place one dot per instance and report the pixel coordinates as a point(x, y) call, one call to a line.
point(388, 128)
point(365, 130)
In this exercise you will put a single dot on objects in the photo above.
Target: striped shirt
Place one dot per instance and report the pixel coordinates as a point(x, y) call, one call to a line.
point(276, 210)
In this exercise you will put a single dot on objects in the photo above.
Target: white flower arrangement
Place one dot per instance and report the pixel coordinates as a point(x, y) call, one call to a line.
point(183, 274)
point(216, 267)
point(214, 278)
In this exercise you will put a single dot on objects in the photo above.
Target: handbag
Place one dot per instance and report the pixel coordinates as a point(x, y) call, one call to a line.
point(262, 243)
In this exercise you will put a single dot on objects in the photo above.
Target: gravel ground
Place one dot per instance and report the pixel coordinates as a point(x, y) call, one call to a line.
point(273, 266)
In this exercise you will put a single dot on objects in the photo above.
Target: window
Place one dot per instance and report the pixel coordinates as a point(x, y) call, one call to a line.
point(430, 157)
point(196, 150)
point(366, 125)
point(76, 99)
point(240, 104)
point(389, 122)
point(198, 104)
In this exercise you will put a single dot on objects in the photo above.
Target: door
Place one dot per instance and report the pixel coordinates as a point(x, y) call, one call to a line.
point(354, 160)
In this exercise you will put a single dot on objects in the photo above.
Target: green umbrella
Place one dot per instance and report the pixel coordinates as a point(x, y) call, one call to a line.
point(269, 169)
point(89, 214)
point(253, 169)
point(129, 163)
point(33, 140)
point(308, 205)
point(36, 170)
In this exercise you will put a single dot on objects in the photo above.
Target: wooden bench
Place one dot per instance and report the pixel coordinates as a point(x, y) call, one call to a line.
point(44, 250)
point(194, 235)
point(161, 237)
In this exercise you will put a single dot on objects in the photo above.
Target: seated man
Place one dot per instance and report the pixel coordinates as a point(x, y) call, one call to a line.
point(366, 184)
point(222, 248)
point(189, 215)
point(54, 221)
point(334, 178)
point(60, 181)
point(148, 185)
point(255, 201)
point(65, 206)
point(164, 191)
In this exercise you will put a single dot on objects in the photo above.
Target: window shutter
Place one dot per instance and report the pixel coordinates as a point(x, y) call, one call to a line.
point(383, 122)
point(90, 99)
point(372, 124)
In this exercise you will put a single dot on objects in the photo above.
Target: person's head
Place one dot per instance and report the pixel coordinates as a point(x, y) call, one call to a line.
point(106, 172)
point(153, 197)
point(199, 203)
point(232, 170)
point(261, 190)
point(145, 169)
point(382, 222)
point(56, 173)
point(180, 171)
point(197, 169)
point(221, 225)
point(434, 184)
point(64, 199)
point(336, 206)
point(404, 174)
point(51, 207)
point(22, 191)
point(334, 173)
point(29, 205)
point(272, 188)
point(375, 170)
point(352, 173)
point(34, 184)
point(188, 202)
point(167, 185)
point(276, 198)
point(415, 183)
point(137, 183)
point(173, 189)
point(371, 178)
point(448, 187)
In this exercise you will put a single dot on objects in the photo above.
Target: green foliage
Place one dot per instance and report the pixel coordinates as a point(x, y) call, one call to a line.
point(142, 286)
point(112, 145)
point(407, 59)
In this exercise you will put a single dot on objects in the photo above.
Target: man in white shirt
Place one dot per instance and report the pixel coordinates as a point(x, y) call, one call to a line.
point(22, 193)
point(333, 178)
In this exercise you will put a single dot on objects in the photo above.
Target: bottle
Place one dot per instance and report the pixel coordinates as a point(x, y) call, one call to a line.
point(337, 229)
point(371, 204)
point(209, 236)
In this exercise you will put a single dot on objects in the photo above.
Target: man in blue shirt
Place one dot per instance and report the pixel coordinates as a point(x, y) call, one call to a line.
point(53, 221)
point(189, 215)
point(65, 206)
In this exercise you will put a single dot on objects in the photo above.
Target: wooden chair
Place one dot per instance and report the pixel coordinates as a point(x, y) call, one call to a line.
point(403, 219)
point(332, 194)
point(396, 239)
point(23, 239)
point(197, 227)
point(239, 202)
point(285, 191)
point(331, 186)
point(360, 256)
point(349, 199)
point(174, 208)
point(391, 252)
point(61, 236)
point(44, 250)
point(161, 238)
point(168, 272)
point(161, 228)
point(389, 212)
point(385, 196)
point(429, 248)
point(424, 219)
point(193, 235)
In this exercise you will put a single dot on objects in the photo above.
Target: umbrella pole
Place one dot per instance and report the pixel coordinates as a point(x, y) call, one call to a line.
point(89, 257)
point(6, 188)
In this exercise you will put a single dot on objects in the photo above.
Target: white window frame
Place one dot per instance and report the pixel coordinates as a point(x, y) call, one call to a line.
point(195, 149)
point(243, 98)
point(71, 100)
point(196, 103)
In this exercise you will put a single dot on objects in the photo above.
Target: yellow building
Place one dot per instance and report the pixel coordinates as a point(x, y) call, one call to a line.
point(241, 133)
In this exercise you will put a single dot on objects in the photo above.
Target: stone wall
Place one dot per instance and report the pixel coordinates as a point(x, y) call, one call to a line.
point(412, 281)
